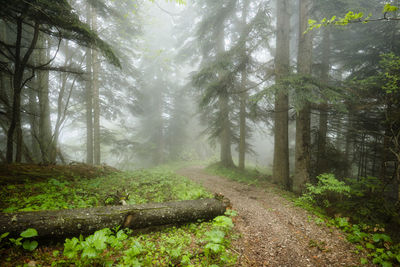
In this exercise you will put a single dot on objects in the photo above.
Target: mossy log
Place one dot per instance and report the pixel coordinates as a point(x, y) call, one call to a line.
point(73, 222)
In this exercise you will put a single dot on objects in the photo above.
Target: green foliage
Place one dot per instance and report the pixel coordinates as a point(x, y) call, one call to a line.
point(378, 245)
point(24, 239)
point(303, 89)
point(29, 244)
point(389, 8)
point(327, 190)
point(217, 243)
point(223, 222)
point(196, 244)
point(350, 17)
point(87, 250)
point(248, 176)
point(353, 196)
point(390, 64)
point(4, 235)
point(362, 200)
point(57, 18)
point(30, 232)
point(190, 245)
point(156, 185)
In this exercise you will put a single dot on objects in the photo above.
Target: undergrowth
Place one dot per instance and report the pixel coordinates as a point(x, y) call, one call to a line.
point(156, 185)
point(195, 244)
point(248, 176)
point(360, 210)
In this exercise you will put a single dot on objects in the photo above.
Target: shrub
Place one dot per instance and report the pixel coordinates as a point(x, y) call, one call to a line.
point(326, 191)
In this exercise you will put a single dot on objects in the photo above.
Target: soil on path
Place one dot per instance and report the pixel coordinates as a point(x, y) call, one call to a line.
point(273, 231)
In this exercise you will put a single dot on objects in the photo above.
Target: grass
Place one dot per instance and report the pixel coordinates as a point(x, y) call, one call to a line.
point(248, 176)
point(195, 244)
point(156, 185)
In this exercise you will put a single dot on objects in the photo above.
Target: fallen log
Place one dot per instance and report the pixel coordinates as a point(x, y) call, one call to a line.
point(73, 222)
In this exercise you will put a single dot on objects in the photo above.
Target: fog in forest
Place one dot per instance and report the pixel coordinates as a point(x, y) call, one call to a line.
point(199, 133)
point(289, 87)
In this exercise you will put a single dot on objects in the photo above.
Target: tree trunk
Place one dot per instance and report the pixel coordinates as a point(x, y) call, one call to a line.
point(243, 99)
point(18, 83)
point(19, 138)
point(280, 173)
point(16, 96)
point(61, 105)
point(242, 118)
point(158, 156)
point(322, 164)
point(45, 132)
point(225, 138)
point(348, 146)
point(303, 136)
point(225, 135)
point(4, 78)
point(33, 121)
point(89, 99)
point(96, 97)
point(74, 222)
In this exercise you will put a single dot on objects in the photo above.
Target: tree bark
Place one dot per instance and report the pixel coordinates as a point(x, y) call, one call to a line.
point(60, 105)
point(157, 103)
point(280, 173)
point(303, 136)
point(348, 147)
point(225, 135)
point(322, 164)
point(242, 118)
point(18, 83)
point(96, 97)
point(243, 98)
point(33, 121)
point(225, 138)
point(89, 99)
point(45, 132)
point(74, 222)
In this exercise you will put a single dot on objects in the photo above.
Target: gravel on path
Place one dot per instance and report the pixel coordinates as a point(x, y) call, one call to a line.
point(273, 231)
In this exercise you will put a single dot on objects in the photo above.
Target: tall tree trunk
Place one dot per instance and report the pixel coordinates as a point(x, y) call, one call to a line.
point(242, 118)
point(386, 153)
point(61, 107)
point(33, 121)
point(89, 99)
point(5, 89)
point(158, 157)
point(243, 100)
point(96, 97)
point(45, 133)
point(322, 164)
point(18, 83)
point(349, 139)
point(303, 136)
point(225, 138)
point(225, 135)
point(280, 173)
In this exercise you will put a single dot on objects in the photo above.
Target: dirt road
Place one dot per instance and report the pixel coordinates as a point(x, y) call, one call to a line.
point(273, 231)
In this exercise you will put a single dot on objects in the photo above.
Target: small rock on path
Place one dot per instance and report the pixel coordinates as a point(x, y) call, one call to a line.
point(273, 231)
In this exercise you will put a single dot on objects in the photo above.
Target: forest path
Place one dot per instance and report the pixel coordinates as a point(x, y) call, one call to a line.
point(273, 231)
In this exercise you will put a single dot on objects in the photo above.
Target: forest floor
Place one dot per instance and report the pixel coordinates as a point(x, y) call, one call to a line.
point(274, 232)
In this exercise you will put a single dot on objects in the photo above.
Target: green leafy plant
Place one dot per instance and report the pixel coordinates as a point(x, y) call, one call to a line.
point(24, 239)
point(327, 190)
point(175, 246)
